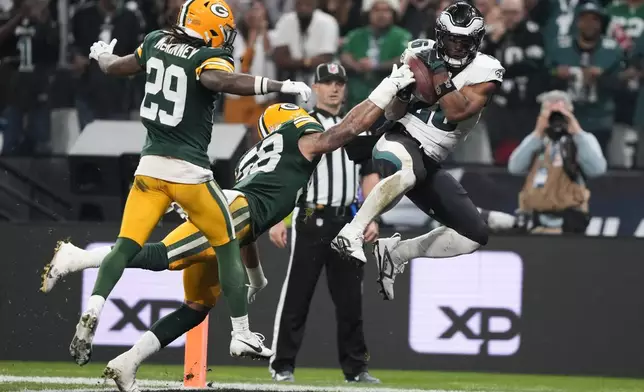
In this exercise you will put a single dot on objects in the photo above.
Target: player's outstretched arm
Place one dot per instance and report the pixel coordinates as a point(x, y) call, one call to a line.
point(244, 84)
point(360, 117)
point(112, 64)
point(458, 105)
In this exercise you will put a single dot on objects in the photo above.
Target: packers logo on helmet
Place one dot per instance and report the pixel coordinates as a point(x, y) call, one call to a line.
point(210, 20)
point(277, 114)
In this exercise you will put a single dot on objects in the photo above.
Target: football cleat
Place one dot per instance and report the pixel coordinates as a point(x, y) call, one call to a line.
point(249, 344)
point(81, 346)
point(123, 372)
point(284, 376)
point(349, 242)
point(387, 268)
point(64, 261)
point(363, 377)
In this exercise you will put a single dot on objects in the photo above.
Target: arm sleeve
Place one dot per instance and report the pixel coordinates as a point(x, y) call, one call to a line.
point(589, 154)
point(522, 156)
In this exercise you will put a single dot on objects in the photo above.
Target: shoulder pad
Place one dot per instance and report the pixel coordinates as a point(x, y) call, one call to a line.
point(608, 43)
point(532, 26)
point(206, 52)
point(484, 68)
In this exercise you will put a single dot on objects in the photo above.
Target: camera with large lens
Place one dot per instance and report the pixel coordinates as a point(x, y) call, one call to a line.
point(557, 126)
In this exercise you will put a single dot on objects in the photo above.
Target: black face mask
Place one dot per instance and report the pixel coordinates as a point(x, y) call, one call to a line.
point(305, 21)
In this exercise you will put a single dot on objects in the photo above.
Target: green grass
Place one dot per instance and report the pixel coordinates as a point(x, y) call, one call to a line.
point(333, 377)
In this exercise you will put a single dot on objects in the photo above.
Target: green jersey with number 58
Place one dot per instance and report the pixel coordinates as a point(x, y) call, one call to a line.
point(273, 173)
point(176, 109)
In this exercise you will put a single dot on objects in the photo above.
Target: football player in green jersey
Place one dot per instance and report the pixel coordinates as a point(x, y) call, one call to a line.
point(187, 68)
point(269, 179)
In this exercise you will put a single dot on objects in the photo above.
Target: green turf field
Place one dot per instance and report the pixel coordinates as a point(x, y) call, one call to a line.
point(53, 377)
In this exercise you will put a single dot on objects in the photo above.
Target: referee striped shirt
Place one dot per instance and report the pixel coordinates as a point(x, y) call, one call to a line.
point(335, 181)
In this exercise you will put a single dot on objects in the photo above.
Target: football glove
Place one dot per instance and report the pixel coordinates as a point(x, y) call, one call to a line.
point(99, 47)
point(296, 88)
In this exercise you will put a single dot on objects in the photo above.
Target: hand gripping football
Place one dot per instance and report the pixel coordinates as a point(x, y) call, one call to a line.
point(424, 86)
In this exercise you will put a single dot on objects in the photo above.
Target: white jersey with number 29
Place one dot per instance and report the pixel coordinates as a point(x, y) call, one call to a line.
point(437, 136)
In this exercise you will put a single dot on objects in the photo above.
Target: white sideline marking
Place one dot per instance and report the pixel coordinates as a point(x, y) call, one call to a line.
point(99, 384)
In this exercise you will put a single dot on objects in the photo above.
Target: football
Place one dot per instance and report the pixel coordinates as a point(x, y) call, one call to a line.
point(424, 86)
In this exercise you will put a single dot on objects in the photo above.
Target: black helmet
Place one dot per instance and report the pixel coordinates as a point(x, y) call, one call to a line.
point(459, 31)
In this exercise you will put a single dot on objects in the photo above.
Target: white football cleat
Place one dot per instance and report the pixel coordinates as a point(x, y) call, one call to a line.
point(249, 344)
point(349, 242)
point(252, 290)
point(81, 346)
point(65, 260)
point(123, 371)
point(387, 268)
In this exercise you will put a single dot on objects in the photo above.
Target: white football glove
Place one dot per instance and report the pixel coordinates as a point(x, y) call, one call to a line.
point(296, 88)
point(99, 47)
point(177, 208)
point(389, 87)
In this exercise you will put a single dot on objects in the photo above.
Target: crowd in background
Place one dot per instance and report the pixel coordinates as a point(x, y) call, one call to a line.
point(543, 44)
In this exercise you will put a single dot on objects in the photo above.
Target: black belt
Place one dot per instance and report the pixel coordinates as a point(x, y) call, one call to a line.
point(325, 210)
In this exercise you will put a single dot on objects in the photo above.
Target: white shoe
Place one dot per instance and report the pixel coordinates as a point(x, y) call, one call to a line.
point(349, 242)
point(123, 371)
point(249, 344)
point(81, 346)
point(65, 260)
point(387, 268)
point(252, 290)
point(284, 376)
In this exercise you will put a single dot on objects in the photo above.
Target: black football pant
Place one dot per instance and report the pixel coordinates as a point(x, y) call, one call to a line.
point(310, 253)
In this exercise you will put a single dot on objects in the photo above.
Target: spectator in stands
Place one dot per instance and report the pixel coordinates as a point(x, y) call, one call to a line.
point(490, 11)
point(369, 52)
point(345, 12)
point(304, 39)
point(170, 13)
point(419, 17)
point(637, 67)
point(252, 54)
point(100, 96)
point(277, 8)
point(518, 44)
point(556, 18)
point(29, 50)
point(626, 27)
point(588, 66)
point(557, 157)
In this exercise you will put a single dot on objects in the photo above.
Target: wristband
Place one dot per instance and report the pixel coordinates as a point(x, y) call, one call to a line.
point(445, 88)
point(261, 85)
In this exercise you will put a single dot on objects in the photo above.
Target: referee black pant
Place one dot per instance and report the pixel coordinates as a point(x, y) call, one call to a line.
point(310, 252)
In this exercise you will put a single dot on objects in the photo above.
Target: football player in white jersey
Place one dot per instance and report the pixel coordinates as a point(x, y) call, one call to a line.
point(422, 137)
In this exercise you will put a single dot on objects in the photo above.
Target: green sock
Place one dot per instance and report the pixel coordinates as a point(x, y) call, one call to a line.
point(152, 257)
point(233, 278)
point(113, 266)
point(175, 324)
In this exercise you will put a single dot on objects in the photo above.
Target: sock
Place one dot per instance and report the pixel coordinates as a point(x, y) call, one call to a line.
point(96, 303)
point(384, 195)
point(240, 324)
point(175, 324)
point(152, 257)
point(232, 278)
point(84, 259)
point(256, 276)
point(438, 243)
point(147, 345)
point(113, 265)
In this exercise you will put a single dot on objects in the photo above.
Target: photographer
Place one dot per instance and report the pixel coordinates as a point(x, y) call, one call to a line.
point(557, 157)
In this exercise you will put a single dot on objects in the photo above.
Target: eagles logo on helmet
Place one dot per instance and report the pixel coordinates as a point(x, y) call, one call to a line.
point(459, 32)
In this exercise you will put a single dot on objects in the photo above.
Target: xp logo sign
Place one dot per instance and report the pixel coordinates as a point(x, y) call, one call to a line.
point(138, 301)
point(466, 305)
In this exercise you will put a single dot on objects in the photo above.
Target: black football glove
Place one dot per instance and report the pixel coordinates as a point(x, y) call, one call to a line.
point(405, 94)
point(431, 58)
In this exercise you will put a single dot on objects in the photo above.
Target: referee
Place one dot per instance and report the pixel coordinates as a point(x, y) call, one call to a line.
point(322, 211)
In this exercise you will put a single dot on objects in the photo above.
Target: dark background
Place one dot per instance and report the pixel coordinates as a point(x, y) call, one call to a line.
point(582, 311)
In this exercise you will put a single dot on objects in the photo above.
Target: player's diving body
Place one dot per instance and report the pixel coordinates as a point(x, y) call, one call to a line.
point(421, 139)
point(269, 178)
point(187, 68)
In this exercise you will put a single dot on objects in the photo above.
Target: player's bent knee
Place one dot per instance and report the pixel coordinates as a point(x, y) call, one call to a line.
point(407, 178)
point(480, 234)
